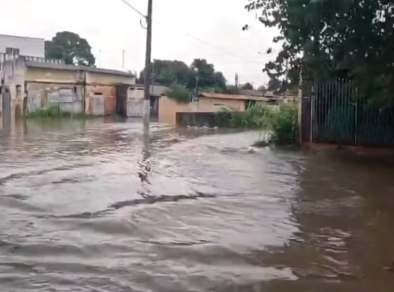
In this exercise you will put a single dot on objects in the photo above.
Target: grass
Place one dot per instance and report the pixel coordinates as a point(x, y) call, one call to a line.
point(278, 124)
point(52, 112)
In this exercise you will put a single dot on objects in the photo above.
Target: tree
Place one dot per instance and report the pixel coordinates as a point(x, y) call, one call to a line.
point(247, 86)
point(179, 93)
point(70, 48)
point(169, 72)
point(332, 36)
point(230, 89)
point(262, 88)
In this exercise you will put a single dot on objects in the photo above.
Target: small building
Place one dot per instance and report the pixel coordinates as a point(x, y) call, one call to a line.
point(27, 46)
point(206, 102)
point(36, 83)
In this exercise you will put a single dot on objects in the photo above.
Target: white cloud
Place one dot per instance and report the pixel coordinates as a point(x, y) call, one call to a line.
point(111, 27)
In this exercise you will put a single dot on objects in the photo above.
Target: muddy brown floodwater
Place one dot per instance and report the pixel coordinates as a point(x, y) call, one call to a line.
point(209, 215)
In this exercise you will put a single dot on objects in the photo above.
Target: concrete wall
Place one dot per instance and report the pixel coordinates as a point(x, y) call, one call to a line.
point(50, 75)
point(14, 78)
point(169, 107)
point(27, 46)
point(41, 95)
point(136, 93)
point(100, 99)
point(216, 104)
point(108, 79)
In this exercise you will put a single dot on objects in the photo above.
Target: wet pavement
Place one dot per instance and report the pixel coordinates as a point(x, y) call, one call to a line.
point(86, 206)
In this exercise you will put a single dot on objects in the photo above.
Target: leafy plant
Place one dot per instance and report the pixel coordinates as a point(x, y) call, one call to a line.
point(280, 122)
point(330, 38)
point(250, 119)
point(53, 111)
point(70, 48)
point(179, 93)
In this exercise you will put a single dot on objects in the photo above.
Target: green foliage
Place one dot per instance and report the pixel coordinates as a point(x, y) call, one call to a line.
point(247, 86)
point(276, 85)
point(280, 121)
point(53, 111)
point(229, 89)
point(179, 93)
point(70, 48)
point(167, 73)
point(253, 118)
point(328, 36)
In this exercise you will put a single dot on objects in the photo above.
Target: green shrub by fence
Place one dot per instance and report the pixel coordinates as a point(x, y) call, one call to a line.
point(279, 121)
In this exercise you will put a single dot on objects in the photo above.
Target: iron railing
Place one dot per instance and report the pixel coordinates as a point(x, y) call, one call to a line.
point(333, 113)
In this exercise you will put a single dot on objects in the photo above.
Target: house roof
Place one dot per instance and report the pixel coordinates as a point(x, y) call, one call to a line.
point(21, 37)
point(56, 66)
point(252, 92)
point(229, 96)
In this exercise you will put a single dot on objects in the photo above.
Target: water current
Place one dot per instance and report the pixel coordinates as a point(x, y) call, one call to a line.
point(88, 206)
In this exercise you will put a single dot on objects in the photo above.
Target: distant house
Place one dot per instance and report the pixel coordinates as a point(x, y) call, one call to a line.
point(211, 102)
point(36, 83)
point(206, 102)
point(27, 46)
point(272, 97)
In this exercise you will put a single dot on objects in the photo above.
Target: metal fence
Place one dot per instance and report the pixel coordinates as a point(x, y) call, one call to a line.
point(333, 113)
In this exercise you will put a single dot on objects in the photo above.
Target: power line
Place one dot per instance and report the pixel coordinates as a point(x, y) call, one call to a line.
point(200, 40)
point(135, 9)
point(189, 34)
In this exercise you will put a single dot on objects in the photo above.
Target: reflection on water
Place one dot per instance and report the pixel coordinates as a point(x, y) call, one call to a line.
point(93, 206)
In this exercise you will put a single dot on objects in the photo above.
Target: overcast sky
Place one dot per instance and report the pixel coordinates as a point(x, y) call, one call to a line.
point(111, 27)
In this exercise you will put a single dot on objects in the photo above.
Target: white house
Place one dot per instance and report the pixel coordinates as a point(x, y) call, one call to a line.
point(28, 46)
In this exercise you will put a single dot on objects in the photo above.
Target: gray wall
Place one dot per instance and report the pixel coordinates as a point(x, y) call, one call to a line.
point(34, 47)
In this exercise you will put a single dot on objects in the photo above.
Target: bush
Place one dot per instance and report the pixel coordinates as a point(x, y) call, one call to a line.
point(49, 112)
point(179, 93)
point(53, 111)
point(281, 122)
point(253, 118)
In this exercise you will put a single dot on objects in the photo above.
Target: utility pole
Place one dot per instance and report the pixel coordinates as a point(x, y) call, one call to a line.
point(148, 65)
point(236, 83)
point(196, 86)
point(2, 86)
point(300, 100)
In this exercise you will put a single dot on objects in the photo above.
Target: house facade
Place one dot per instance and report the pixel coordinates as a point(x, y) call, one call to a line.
point(36, 83)
point(206, 102)
point(27, 46)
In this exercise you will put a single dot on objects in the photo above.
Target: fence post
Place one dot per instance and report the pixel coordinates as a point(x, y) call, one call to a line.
point(300, 107)
point(312, 97)
point(355, 123)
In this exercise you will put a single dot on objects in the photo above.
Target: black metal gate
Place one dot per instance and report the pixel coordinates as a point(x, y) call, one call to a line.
point(334, 114)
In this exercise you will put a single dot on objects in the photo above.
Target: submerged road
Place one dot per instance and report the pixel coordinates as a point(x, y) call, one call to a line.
point(81, 210)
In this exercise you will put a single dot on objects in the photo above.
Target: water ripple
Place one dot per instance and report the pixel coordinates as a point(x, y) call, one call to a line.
point(87, 206)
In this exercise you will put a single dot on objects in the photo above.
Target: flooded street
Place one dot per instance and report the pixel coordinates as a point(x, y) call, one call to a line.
point(81, 212)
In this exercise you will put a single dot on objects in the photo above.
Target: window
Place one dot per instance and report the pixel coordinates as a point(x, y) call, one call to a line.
point(18, 90)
